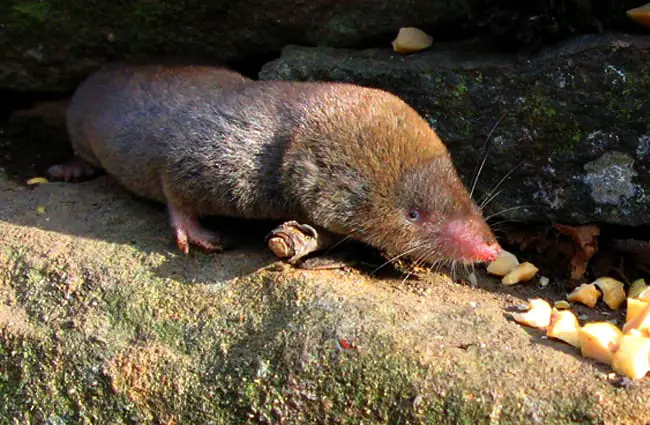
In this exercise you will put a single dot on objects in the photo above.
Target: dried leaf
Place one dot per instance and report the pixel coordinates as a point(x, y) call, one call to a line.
point(586, 246)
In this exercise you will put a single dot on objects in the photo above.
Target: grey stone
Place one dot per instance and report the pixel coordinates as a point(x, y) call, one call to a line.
point(572, 122)
point(50, 45)
point(610, 178)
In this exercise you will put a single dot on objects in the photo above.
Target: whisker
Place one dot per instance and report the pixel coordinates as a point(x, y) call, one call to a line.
point(397, 257)
point(498, 226)
point(498, 223)
point(508, 209)
point(436, 264)
point(421, 259)
point(490, 199)
point(428, 254)
point(409, 273)
point(497, 229)
point(418, 261)
point(411, 270)
point(485, 155)
point(440, 266)
point(336, 244)
point(432, 266)
point(406, 277)
point(471, 192)
point(415, 264)
point(501, 182)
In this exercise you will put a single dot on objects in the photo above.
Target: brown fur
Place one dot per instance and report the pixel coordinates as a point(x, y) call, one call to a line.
point(353, 161)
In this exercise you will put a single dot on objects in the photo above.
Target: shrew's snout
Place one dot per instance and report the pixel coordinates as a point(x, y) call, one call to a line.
point(469, 240)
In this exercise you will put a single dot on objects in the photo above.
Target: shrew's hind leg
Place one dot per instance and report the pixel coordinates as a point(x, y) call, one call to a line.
point(187, 228)
point(76, 168)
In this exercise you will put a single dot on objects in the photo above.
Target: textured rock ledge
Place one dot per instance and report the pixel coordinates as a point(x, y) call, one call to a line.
point(575, 125)
point(102, 321)
point(49, 45)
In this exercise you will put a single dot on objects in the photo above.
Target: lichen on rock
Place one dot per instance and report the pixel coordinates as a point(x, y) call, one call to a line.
point(610, 178)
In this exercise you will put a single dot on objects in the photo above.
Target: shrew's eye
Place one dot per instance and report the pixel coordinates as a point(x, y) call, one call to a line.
point(413, 215)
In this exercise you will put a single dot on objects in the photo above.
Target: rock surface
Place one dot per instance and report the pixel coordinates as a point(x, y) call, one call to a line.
point(572, 122)
point(50, 45)
point(102, 321)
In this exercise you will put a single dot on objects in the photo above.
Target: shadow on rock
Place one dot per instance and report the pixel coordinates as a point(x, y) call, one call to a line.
point(103, 211)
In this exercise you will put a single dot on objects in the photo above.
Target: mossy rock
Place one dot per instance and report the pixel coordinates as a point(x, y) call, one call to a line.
point(551, 118)
point(50, 45)
point(103, 321)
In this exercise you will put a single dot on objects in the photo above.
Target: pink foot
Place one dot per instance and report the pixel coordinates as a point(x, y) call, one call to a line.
point(188, 231)
point(74, 169)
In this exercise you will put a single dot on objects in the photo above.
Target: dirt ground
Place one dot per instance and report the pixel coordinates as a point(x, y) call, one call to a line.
point(102, 320)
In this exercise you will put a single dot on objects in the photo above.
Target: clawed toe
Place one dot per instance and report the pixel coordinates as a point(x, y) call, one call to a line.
point(189, 231)
point(207, 241)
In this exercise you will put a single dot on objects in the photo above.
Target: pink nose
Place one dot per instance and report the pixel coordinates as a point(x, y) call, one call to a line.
point(488, 252)
point(469, 241)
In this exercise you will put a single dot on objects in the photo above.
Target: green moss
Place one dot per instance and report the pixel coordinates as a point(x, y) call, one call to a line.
point(460, 89)
point(539, 107)
point(130, 346)
point(36, 10)
point(540, 113)
point(139, 372)
point(630, 101)
point(45, 380)
point(451, 97)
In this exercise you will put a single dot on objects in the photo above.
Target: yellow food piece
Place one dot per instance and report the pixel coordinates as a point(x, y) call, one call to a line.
point(640, 321)
point(538, 315)
point(599, 341)
point(644, 295)
point(36, 180)
point(505, 262)
point(634, 307)
point(632, 358)
point(586, 294)
point(562, 305)
point(640, 14)
point(636, 288)
point(634, 332)
point(613, 291)
point(564, 326)
point(523, 272)
point(411, 40)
